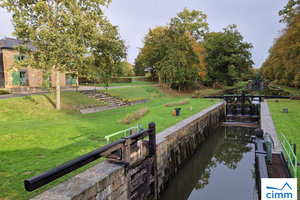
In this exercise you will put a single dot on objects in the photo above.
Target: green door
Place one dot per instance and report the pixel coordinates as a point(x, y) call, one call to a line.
point(16, 78)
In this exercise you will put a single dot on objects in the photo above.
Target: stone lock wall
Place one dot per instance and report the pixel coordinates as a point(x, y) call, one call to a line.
point(175, 146)
point(103, 181)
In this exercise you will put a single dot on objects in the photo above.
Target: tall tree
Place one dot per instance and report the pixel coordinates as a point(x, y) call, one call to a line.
point(283, 62)
point(173, 52)
point(108, 50)
point(290, 11)
point(60, 30)
point(227, 56)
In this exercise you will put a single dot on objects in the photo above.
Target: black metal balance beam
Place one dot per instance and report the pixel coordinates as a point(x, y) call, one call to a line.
point(251, 96)
point(59, 171)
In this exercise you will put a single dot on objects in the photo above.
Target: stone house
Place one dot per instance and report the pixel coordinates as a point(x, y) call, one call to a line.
point(18, 80)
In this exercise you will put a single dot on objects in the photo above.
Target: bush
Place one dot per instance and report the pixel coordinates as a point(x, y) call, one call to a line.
point(182, 102)
point(121, 80)
point(198, 94)
point(134, 116)
point(132, 100)
point(2, 92)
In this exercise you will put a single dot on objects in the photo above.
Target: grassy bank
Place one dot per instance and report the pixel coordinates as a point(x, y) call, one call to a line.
point(34, 137)
point(287, 123)
point(135, 81)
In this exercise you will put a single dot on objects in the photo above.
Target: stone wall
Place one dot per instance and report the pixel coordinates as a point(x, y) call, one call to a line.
point(109, 107)
point(102, 181)
point(176, 144)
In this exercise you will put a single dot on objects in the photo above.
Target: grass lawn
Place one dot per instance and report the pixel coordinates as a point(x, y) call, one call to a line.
point(291, 90)
point(136, 92)
point(287, 123)
point(135, 81)
point(34, 137)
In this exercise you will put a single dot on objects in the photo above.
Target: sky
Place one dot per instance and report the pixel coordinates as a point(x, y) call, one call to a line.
point(257, 20)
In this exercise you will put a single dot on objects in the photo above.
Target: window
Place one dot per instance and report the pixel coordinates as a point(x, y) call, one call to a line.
point(20, 77)
point(20, 57)
point(23, 78)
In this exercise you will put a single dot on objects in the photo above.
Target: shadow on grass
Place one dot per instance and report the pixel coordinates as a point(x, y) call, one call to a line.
point(50, 101)
point(36, 161)
point(31, 99)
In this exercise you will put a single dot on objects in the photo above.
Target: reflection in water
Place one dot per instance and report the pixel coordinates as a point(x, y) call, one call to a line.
point(223, 169)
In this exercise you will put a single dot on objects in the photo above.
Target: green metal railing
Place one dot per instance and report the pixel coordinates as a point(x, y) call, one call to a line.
point(138, 128)
point(290, 156)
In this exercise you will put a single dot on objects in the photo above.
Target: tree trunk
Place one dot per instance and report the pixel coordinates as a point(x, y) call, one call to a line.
point(94, 85)
point(77, 82)
point(57, 90)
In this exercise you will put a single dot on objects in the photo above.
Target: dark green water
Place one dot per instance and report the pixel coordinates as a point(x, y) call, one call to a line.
point(223, 168)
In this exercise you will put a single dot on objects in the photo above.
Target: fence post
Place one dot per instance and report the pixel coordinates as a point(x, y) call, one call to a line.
point(152, 139)
point(126, 151)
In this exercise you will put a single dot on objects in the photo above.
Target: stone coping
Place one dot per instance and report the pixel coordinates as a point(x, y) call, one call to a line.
point(109, 107)
point(79, 186)
point(161, 137)
point(268, 126)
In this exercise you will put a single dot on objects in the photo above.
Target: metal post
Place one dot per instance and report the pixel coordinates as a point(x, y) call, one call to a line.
point(295, 154)
point(152, 139)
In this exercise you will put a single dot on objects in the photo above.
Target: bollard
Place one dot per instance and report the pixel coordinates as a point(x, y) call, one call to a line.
point(259, 132)
point(284, 110)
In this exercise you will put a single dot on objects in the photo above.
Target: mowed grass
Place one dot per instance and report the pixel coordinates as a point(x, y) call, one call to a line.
point(34, 137)
point(136, 92)
point(287, 123)
point(135, 81)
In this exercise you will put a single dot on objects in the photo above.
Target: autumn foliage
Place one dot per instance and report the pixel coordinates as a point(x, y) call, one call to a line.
point(283, 63)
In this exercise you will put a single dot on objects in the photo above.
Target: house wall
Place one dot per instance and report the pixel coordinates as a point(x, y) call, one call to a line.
point(62, 79)
point(35, 76)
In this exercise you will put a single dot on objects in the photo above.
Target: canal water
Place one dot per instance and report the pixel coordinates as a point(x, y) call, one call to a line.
point(222, 169)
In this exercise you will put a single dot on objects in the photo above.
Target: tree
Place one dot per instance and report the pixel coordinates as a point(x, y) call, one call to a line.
point(173, 52)
point(108, 50)
point(60, 30)
point(227, 56)
point(290, 11)
point(126, 69)
point(283, 62)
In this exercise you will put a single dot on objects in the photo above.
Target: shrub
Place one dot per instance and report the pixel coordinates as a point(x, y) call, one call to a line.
point(198, 94)
point(132, 100)
point(182, 102)
point(131, 117)
point(2, 92)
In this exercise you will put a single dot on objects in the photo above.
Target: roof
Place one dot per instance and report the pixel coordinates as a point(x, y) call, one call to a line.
point(9, 43)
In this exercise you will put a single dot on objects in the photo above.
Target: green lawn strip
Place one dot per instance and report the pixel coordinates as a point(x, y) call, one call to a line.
point(34, 142)
point(291, 90)
point(39, 106)
point(120, 84)
point(287, 123)
point(135, 81)
point(146, 92)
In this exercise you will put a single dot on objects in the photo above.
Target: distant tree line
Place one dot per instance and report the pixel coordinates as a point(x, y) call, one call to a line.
point(283, 63)
point(184, 54)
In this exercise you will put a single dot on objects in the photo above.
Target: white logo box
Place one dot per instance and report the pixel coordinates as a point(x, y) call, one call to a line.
point(279, 188)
